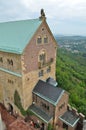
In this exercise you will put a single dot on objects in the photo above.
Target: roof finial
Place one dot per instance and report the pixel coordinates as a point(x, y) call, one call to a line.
point(42, 14)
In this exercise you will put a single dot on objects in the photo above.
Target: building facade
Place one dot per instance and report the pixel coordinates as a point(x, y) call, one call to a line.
point(25, 57)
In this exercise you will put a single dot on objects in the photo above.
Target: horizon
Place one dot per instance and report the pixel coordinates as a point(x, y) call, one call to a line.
point(68, 35)
point(63, 17)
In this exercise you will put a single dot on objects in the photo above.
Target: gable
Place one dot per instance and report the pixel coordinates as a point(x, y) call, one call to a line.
point(33, 49)
point(52, 36)
point(44, 30)
point(14, 36)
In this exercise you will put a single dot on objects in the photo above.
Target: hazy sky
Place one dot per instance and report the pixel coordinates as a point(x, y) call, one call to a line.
point(63, 16)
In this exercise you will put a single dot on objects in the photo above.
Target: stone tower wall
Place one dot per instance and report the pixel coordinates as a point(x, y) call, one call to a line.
point(10, 77)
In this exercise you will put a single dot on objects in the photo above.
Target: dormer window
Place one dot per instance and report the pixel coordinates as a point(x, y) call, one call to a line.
point(39, 40)
point(45, 39)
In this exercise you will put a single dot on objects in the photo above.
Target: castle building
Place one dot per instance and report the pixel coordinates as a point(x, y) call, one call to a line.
point(27, 70)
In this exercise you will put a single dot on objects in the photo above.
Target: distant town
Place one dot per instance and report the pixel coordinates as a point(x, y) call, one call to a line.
point(75, 44)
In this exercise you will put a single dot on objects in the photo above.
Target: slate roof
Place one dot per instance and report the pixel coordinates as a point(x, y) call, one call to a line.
point(70, 118)
point(48, 92)
point(40, 113)
point(15, 35)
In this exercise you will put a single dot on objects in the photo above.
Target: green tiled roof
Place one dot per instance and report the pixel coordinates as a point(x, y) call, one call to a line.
point(15, 35)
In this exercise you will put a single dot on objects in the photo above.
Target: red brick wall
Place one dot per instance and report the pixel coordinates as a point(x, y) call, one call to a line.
point(60, 126)
point(62, 102)
point(38, 101)
point(32, 50)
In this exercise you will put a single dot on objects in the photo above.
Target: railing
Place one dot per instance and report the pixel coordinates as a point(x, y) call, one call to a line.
point(44, 64)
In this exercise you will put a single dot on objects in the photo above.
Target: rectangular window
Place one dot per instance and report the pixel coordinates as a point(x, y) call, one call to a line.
point(48, 69)
point(48, 108)
point(44, 106)
point(41, 73)
point(39, 40)
point(42, 57)
point(45, 39)
point(10, 81)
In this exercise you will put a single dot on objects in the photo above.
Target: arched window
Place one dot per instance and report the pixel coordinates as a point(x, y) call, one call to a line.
point(39, 40)
point(45, 39)
point(42, 58)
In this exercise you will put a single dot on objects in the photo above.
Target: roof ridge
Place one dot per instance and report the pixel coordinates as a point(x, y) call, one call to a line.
point(19, 20)
point(50, 84)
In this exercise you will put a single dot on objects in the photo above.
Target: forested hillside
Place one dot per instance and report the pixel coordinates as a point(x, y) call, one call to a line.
point(71, 76)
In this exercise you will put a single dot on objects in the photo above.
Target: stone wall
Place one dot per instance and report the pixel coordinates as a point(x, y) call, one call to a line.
point(11, 62)
point(9, 84)
point(10, 77)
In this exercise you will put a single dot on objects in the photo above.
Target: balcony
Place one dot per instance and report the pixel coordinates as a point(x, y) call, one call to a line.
point(44, 64)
